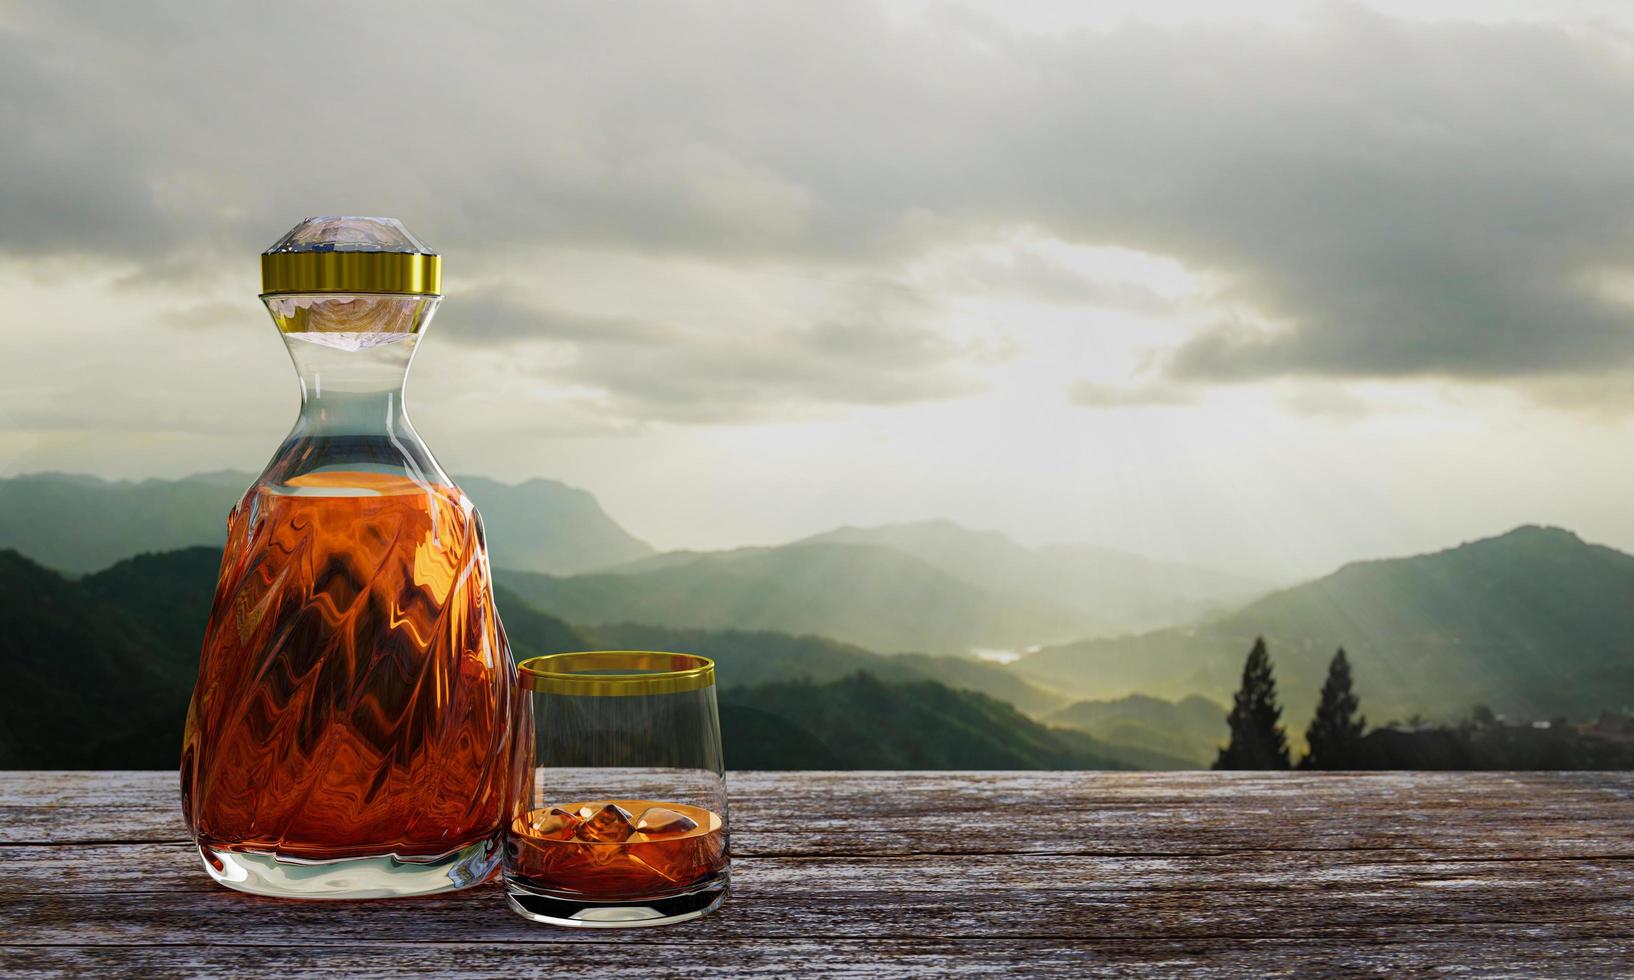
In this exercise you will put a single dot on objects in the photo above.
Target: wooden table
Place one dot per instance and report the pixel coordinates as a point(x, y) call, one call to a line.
point(897, 874)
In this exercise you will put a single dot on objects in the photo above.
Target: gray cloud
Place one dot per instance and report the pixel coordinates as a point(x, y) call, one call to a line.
point(1325, 401)
point(703, 373)
point(710, 378)
point(1088, 394)
point(499, 316)
point(211, 314)
point(1038, 277)
point(1400, 199)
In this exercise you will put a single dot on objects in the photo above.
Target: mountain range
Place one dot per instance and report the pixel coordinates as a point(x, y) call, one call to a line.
point(861, 722)
point(80, 524)
point(1533, 623)
point(545, 526)
point(931, 586)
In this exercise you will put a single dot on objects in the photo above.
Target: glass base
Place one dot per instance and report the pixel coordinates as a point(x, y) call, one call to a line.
point(578, 912)
point(383, 876)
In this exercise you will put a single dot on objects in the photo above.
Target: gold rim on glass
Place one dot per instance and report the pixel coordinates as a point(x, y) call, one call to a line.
point(645, 672)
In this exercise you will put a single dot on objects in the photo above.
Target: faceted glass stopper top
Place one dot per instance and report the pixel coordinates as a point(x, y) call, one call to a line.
point(346, 254)
point(350, 233)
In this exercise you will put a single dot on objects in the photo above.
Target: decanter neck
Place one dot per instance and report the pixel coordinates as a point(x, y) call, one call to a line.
point(352, 354)
point(353, 387)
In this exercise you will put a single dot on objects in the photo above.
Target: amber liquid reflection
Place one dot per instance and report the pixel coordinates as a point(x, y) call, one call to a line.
point(613, 849)
point(354, 687)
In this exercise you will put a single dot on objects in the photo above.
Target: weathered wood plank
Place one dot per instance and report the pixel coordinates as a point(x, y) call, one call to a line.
point(911, 874)
point(1504, 956)
point(1566, 910)
point(174, 869)
point(1183, 813)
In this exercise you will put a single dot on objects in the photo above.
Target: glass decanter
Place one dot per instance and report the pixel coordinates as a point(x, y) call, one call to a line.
point(349, 732)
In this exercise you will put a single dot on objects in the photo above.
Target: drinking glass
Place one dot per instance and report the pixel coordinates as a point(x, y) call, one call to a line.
point(619, 791)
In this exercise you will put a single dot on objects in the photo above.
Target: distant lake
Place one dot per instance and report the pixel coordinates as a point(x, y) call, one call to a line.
point(998, 656)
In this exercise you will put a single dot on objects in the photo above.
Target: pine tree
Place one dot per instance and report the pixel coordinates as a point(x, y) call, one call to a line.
point(1335, 735)
point(1257, 740)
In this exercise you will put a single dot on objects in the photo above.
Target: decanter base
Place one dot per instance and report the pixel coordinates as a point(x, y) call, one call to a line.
point(576, 911)
point(382, 876)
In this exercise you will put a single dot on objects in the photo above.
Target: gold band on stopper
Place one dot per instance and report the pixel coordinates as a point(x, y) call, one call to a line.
point(351, 272)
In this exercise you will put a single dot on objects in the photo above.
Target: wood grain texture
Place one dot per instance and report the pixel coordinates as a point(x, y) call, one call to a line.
point(910, 874)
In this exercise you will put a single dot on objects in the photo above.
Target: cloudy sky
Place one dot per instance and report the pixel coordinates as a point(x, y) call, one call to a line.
point(1278, 289)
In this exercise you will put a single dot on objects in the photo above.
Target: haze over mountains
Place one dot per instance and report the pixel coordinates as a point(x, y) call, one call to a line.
point(1112, 591)
point(1188, 729)
point(929, 585)
point(865, 594)
point(932, 586)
